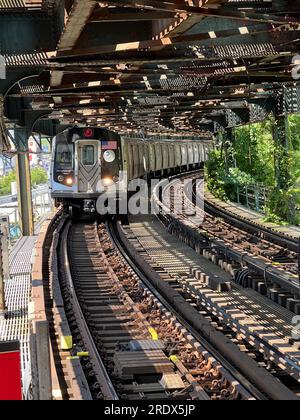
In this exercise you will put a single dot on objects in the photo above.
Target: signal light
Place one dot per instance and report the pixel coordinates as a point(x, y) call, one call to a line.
point(88, 133)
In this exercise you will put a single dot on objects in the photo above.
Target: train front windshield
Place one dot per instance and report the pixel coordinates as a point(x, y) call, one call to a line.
point(64, 156)
point(88, 155)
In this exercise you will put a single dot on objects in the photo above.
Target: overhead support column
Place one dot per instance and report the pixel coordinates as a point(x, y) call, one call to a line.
point(24, 186)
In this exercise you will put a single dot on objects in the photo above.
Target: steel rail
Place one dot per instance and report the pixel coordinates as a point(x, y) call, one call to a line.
point(269, 234)
point(253, 373)
point(146, 275)
point(101, 373)
point(266, 270)
point(260, 267)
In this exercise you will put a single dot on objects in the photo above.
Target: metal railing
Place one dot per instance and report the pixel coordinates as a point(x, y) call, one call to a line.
point(254, 197)
point(42, 205)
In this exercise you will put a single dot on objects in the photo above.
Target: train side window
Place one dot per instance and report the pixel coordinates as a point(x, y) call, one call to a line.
point(88, 155)
point(64, 156)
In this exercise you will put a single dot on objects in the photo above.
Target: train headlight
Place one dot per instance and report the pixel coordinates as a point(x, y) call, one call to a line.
point(109, 156)
point(69, 181)
point(60, 178)
point(107, 182)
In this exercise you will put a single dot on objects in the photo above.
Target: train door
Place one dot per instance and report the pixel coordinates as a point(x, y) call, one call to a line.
point(152, 158)
point(172, 163)
point(158, 157)
point(190, 156)
point(184, 156)
point(177, 156)
point(165, 152)
point(88, 164)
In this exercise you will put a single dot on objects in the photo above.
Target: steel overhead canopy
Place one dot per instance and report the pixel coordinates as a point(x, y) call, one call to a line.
point(210, 10)
point(80, 13)
point(170, 65)
point(28, 29)
point(78, 17)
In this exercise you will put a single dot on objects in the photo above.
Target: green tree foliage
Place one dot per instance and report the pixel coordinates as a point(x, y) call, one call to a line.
point(5, 183)
point(254, 151)
point(38, 176)
point(222, 181)
point(285, 198)
point(257, 155)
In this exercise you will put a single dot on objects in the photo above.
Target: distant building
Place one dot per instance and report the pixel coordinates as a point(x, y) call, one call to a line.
point(6, 165)
point(34, 150)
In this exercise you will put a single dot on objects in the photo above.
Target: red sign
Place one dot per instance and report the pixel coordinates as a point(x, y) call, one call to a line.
point(10, 371)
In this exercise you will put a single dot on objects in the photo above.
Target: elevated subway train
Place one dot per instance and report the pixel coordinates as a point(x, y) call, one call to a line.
point(86, 161)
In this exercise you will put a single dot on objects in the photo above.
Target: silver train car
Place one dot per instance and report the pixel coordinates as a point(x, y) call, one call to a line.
point(87, 161)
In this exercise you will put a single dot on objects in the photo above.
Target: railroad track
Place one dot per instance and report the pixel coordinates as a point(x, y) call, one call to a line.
point(262, 324)
point(67, 376)
point(175, 265)
point(253, 242)
point(115, 303)
point(124, 343)
point(123, 322)
point(271, 234)
point(249, 256)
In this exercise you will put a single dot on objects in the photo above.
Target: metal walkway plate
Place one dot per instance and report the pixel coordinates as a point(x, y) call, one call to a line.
point(17, 293)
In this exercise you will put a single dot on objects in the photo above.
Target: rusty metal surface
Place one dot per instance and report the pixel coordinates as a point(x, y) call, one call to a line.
point(120, 317)
point(238, 211)
point(193, 359)
point(203, 66)
point(260, 322)
point(172, 261)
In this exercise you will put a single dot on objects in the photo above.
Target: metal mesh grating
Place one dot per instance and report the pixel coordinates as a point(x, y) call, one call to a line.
point(157, 100)
point(18, 60)
point(244, 50)
point(17, 293)
point(20, 4)
point(234, 51)
point(183, 82)
point(12, 4)
point(27, 90)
